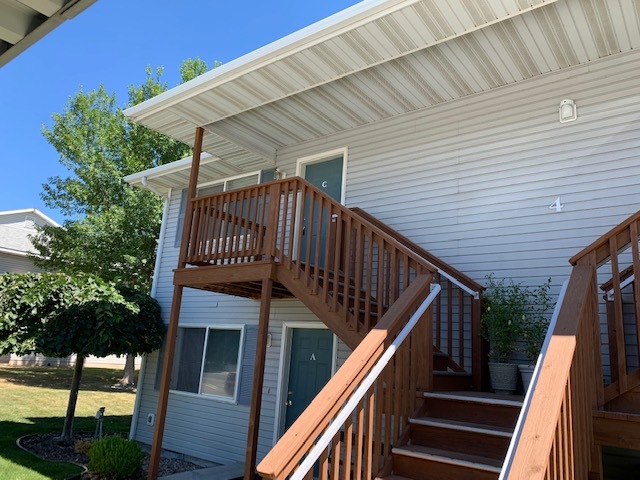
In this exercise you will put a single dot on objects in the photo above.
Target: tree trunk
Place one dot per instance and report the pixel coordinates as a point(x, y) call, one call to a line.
point(129, 376)
point(67, 429)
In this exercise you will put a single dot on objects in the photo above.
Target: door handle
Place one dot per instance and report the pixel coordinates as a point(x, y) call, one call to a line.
point(289, 403)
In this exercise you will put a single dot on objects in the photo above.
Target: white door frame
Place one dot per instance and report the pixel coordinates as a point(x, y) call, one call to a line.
point(283, 368)
point(321, 157)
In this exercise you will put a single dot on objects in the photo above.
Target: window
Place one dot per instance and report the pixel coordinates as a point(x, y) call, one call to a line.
point(207, 361)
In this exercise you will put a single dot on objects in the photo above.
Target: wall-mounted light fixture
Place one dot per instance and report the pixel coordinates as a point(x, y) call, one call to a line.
point(568, 111)
point(278, 174)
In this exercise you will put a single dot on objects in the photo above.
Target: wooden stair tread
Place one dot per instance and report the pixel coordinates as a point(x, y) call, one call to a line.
point(446, 456)
point(473, 397)
point(463, 426)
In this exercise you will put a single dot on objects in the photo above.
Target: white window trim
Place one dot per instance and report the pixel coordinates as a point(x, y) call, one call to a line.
point(302, 163)
point(217, 398)
point(283, 369)
point(226, 180)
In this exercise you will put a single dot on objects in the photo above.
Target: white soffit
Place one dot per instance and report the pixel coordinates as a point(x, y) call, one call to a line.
point(24, 22)
point(380, 59)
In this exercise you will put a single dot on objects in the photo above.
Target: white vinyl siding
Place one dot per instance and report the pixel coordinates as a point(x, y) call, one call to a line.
point(16, 264)
point(471, 181)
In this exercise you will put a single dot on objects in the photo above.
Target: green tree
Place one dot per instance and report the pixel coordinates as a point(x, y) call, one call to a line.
point(59, 315)
point(113, 228)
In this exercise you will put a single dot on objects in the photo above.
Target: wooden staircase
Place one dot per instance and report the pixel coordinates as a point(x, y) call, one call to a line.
point(455, 436)
point(358, 276)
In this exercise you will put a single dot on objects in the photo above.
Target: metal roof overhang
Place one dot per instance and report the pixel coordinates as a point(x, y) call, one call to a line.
point(381, 59)
point(24, 22)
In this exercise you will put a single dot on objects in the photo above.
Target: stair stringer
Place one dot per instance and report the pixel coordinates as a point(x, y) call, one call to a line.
point(334, 320)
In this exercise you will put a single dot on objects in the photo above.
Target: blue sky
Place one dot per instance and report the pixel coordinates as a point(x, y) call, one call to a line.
point(112, 42)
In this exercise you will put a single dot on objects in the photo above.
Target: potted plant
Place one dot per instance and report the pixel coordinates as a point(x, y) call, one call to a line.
point(534, 328)
point(502, 327)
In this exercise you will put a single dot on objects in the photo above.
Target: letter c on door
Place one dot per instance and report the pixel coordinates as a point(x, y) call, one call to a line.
point(324, 184)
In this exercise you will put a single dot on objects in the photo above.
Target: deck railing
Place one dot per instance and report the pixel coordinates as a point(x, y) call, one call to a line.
point(616, 257)
point(347, 432)
point(583, 369)
point(357, 269)
point(556, 440)
point(456, 311)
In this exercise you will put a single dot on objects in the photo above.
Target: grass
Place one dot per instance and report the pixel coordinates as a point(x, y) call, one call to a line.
point(34, 400)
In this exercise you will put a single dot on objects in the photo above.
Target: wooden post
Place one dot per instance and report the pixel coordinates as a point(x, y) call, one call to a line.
point(172, 332)
point(258, 380)
point(477, 364)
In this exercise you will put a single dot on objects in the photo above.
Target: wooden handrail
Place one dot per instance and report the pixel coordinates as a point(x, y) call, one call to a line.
point(284, 458)
point(600, 248)
point(460, 277)
point(557, 437)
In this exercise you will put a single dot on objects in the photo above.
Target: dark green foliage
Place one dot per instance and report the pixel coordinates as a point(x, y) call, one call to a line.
point(115, 458)
point(115, 226)
point(58, 315)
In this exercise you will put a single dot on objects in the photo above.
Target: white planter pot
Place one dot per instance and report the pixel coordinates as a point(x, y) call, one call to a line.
point(526, 373)
point(504, 377)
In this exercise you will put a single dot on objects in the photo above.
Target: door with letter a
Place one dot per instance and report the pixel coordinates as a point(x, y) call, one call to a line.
point(310, 367)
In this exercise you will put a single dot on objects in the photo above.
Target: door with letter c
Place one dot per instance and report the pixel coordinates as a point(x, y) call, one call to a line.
point(326, 175)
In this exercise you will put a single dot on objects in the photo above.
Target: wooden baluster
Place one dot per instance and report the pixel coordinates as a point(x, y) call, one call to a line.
point(348, 448)
point(359, 431)
point(272, 221)
point(243, 250)
point(438, 309)
point(395, 277)
point(635, 254)
point(219, 227)
point(461, 317)
point(380, 286)
point(323, 465)
point(254, 228)
point(237, 227)
point(211, 223)
point(331, 296)
point(359, 256)
point(368, 434)
point(309, 233)
point(450, 319)
point(377, 435)
point(288, 251)
point(345, 256)
point(301, 220)
point(368, 281)
point(621, 359)
point(397, 399)
point(263, 221)
point(387, 377)
point(319, 266)
point(193, 236)
point(335, 455)
point(285, 222)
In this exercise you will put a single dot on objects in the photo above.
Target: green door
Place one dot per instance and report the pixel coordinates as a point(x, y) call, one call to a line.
point(326, 176)
point(309, 369)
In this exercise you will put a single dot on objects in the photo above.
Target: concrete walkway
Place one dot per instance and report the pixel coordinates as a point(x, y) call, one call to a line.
point(221, 472)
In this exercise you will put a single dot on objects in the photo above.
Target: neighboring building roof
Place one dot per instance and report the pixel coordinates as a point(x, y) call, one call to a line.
point(379, 59)
point(24, 22)
point(15, 228)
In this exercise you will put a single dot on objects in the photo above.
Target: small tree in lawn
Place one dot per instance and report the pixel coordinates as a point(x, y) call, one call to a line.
point(59, 315)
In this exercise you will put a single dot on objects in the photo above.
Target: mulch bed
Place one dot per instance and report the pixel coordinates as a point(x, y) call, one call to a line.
point(45, 445)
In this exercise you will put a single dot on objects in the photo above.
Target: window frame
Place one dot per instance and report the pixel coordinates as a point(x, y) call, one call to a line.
point(236, 390)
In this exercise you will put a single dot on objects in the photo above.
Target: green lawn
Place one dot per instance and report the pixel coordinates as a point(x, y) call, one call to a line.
point(34, 400)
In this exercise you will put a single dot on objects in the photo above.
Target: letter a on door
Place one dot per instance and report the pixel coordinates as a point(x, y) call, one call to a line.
point(313, 357)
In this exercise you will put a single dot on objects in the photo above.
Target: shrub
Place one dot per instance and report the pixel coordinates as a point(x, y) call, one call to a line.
point(115, 457)
point(82, 446)
point(514, 312)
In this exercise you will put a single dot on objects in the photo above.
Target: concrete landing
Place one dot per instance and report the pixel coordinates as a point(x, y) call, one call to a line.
point(220, 472)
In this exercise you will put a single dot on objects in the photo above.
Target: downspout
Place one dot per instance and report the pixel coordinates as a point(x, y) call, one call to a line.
point(154, 290)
